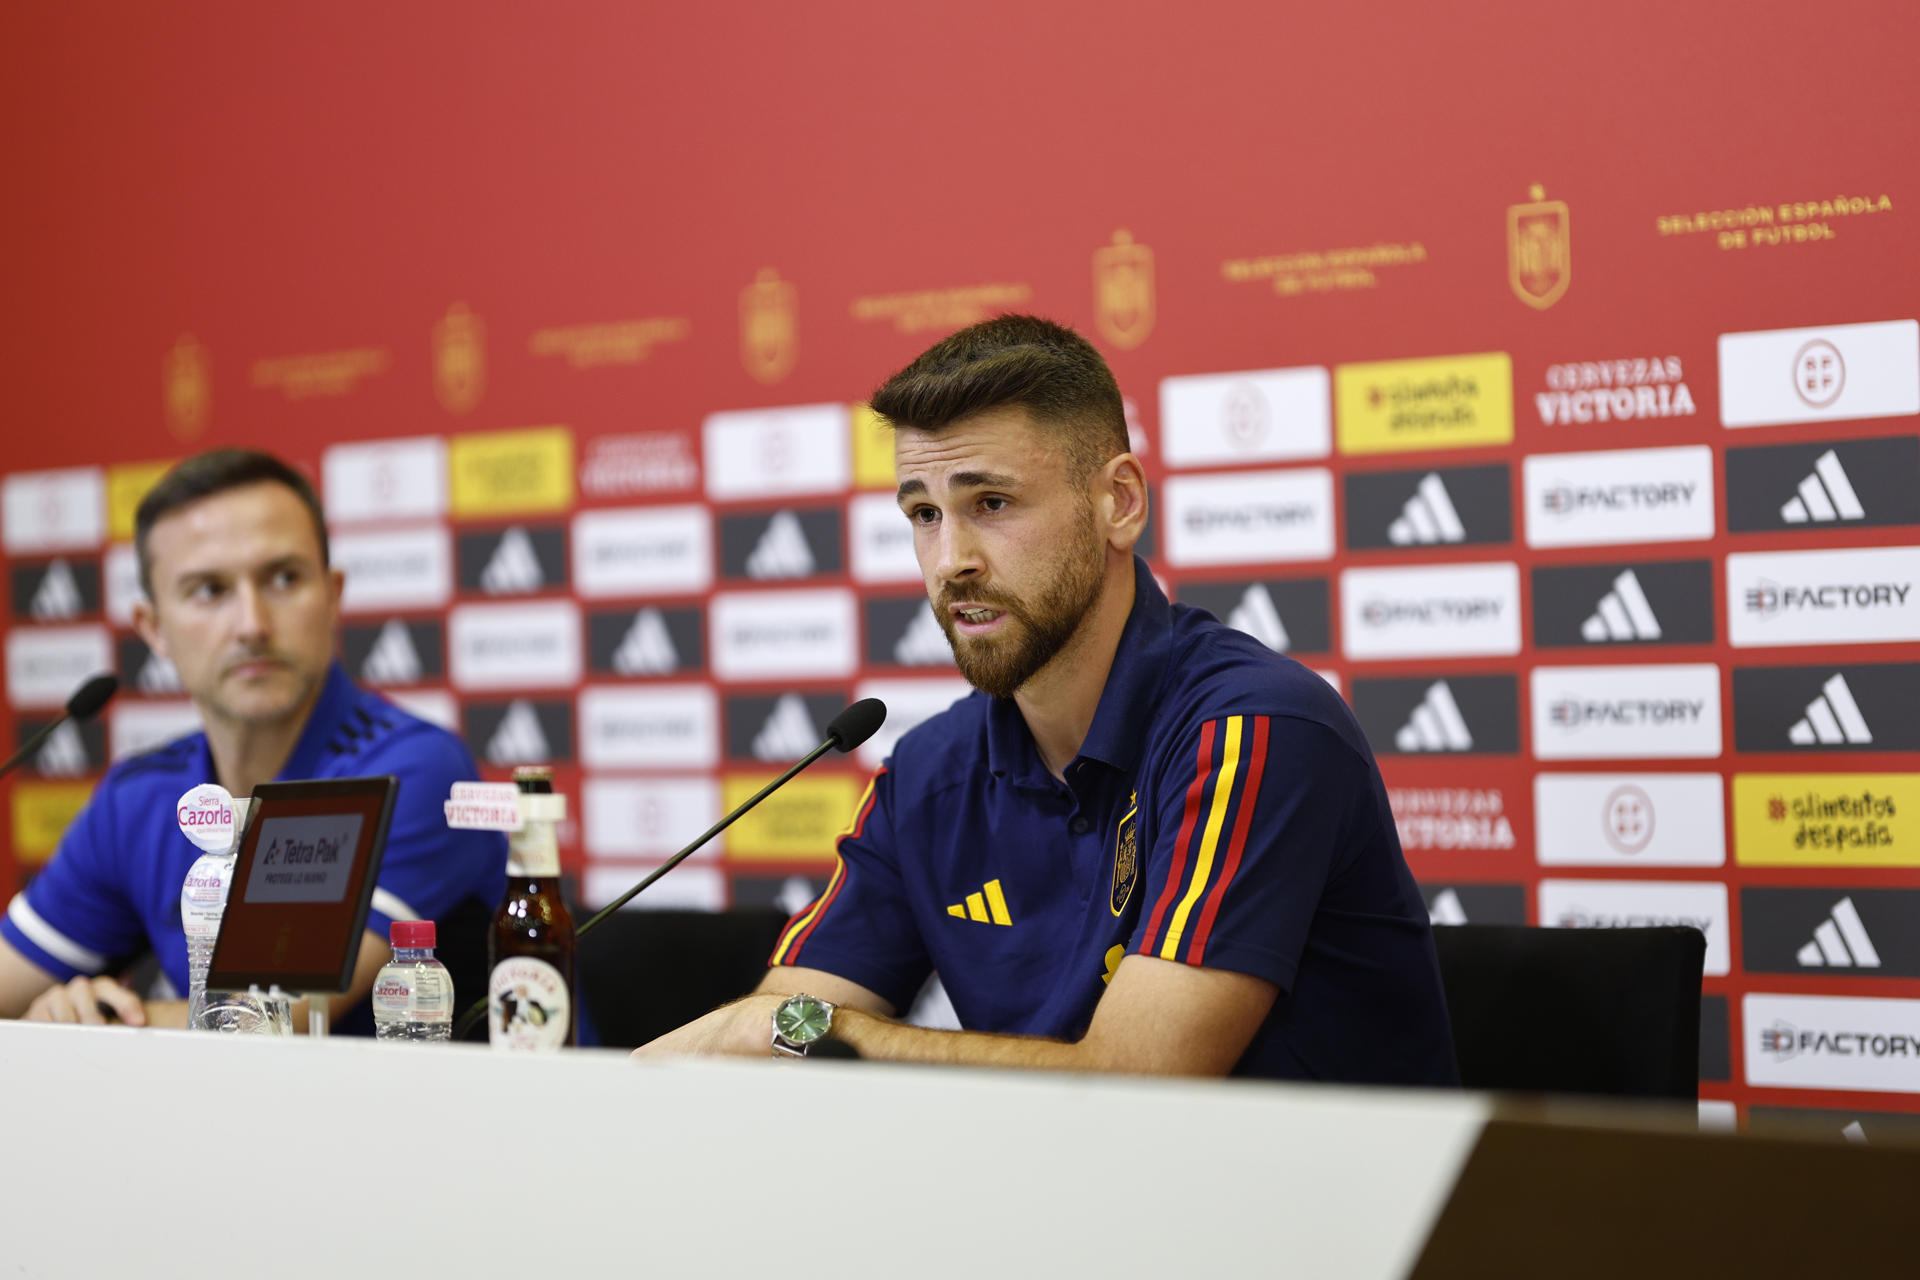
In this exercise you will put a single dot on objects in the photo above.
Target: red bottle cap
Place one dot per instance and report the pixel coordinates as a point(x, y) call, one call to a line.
point(411, 933)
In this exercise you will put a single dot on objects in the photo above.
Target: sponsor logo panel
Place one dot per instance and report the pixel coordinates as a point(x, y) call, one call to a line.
point(1262, 415)
point(1832, 1042)
point(1829, 485)
point(57, 591)
point(644, 551)
point(646, 642)
point(397, 651)
point(523, 731)
point(1453, 506)
point(1453, 715)
point(879, 540)
point(72, 750)
point(510, 473)
point(127, 484)
point(1646, 602)
point(53, 510)
point(1641, 904)
point(638, 464)
point(783, 544)
point(1619, 496)
point(120, 582)
point(133, 727)
point(42, 812)
point(1850, 933)
point(1716, 1041)
point(909, 704)
point(1826, 819)
point(1841, 371)
point(1828, 708)
point(385, 480)
point(1249, 517)
point(903, 631)
point(1450, 402)
point(517, 560)
point(801, 820)
point(872, 449)
point(1452, 819)
point(394, 569)
point(145, 673)
point(1628, 390)
point(779, 728)
point(1450, 904)
point(773, 635)
point(789, 893)
point(1863, 596)
point(649, 817)
point(1288, 615)
point(650, 727)
point(1630, 819)
point(514, 646)
point(1626, 712)
point(46, 664)
point(758, 453)
point(689, 888)
point(1445, 611)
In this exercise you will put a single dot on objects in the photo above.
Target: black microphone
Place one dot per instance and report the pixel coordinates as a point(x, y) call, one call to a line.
point(848, 730)
point(87, 700)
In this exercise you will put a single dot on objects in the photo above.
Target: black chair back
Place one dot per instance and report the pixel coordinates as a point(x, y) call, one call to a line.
point(1591, 1011)
point(643, 973)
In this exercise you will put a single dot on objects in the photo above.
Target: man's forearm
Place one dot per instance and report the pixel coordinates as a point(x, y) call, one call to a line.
point(885, 1040)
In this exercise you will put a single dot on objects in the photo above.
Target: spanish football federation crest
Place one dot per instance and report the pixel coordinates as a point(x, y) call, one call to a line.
point(459, 359)
point(769, 327)
point(1539, 249)
point(186, 389)
point(1123, 291)
point(1126, 857)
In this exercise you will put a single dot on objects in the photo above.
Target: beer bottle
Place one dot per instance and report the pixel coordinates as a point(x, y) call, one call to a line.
point(530, 995)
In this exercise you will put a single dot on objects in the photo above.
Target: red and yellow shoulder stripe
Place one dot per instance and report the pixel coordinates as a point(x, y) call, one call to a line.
point(800, 927)
point(1213, 837)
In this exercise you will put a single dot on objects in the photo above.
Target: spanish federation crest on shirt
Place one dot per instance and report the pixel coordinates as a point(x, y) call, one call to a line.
point(1123, 291)
point(459, 359)
point(185, 387)
point(1539, 250)
point(1126, 856)
point(769, 327)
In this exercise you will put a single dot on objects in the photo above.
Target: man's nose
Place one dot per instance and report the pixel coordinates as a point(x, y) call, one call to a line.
point(250, 612)
point(957, 553)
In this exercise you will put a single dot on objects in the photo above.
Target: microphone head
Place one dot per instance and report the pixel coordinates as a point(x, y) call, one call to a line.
point(857, 723)
point(91, 696)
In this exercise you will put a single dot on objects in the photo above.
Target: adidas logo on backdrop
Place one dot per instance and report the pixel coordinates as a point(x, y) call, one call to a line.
point(1825, 495)
point(1840, 941)
point(1428, 516)
point(647, 649)
point(518, 739)
point(1436, 724)
point(513, 568)
point(1259, 617)
point(58, 597)
point(1623, 614)
point(782, 551)
point(393, 659)
point(1833, 717)
point(789, 731)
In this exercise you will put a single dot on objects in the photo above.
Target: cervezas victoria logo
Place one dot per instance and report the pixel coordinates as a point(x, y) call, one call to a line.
point(1623, 390)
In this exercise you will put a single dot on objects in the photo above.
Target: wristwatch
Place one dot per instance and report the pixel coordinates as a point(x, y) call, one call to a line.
point(799, 1023)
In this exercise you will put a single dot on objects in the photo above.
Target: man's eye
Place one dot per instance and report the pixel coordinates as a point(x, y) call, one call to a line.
point(284, 578)
point(204, 591)
point(923, 515)
point(993, 502)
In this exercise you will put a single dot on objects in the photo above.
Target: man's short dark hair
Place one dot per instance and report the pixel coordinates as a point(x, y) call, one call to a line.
point(216, 471)
point(1043, 367)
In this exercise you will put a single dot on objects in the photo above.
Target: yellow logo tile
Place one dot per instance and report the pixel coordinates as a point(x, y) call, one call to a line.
point(511, 473)
point(1826, 819)
point(872, 450)
point(42, 811)
point(126, 485)
point(1449, 402)
point(800, 820)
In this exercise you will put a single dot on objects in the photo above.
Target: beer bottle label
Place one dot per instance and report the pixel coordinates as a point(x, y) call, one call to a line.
point(534, 850)
point(528, 1005)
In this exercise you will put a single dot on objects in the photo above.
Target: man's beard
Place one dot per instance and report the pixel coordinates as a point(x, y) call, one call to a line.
point(1000, 664)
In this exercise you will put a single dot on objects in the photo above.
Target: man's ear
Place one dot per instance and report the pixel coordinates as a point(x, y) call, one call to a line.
point(146, 622)
point(1120, 498)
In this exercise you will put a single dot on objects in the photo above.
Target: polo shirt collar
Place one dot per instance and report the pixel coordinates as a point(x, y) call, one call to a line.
point(1127, 703)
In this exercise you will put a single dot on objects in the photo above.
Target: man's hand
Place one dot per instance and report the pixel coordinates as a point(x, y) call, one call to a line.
point(80, 1001)
point(744, 1028)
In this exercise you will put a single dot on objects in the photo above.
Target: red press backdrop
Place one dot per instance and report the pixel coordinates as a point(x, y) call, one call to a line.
point(1544, 334)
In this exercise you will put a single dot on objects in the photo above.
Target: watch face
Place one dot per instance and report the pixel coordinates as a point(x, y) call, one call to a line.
point(802, 1019)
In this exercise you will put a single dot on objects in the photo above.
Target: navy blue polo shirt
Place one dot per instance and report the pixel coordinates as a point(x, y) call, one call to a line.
point(113, 885)
point(1224, 811)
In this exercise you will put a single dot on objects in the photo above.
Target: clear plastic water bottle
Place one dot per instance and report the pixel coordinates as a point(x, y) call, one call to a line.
point(213, 821)
point(413, 996)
